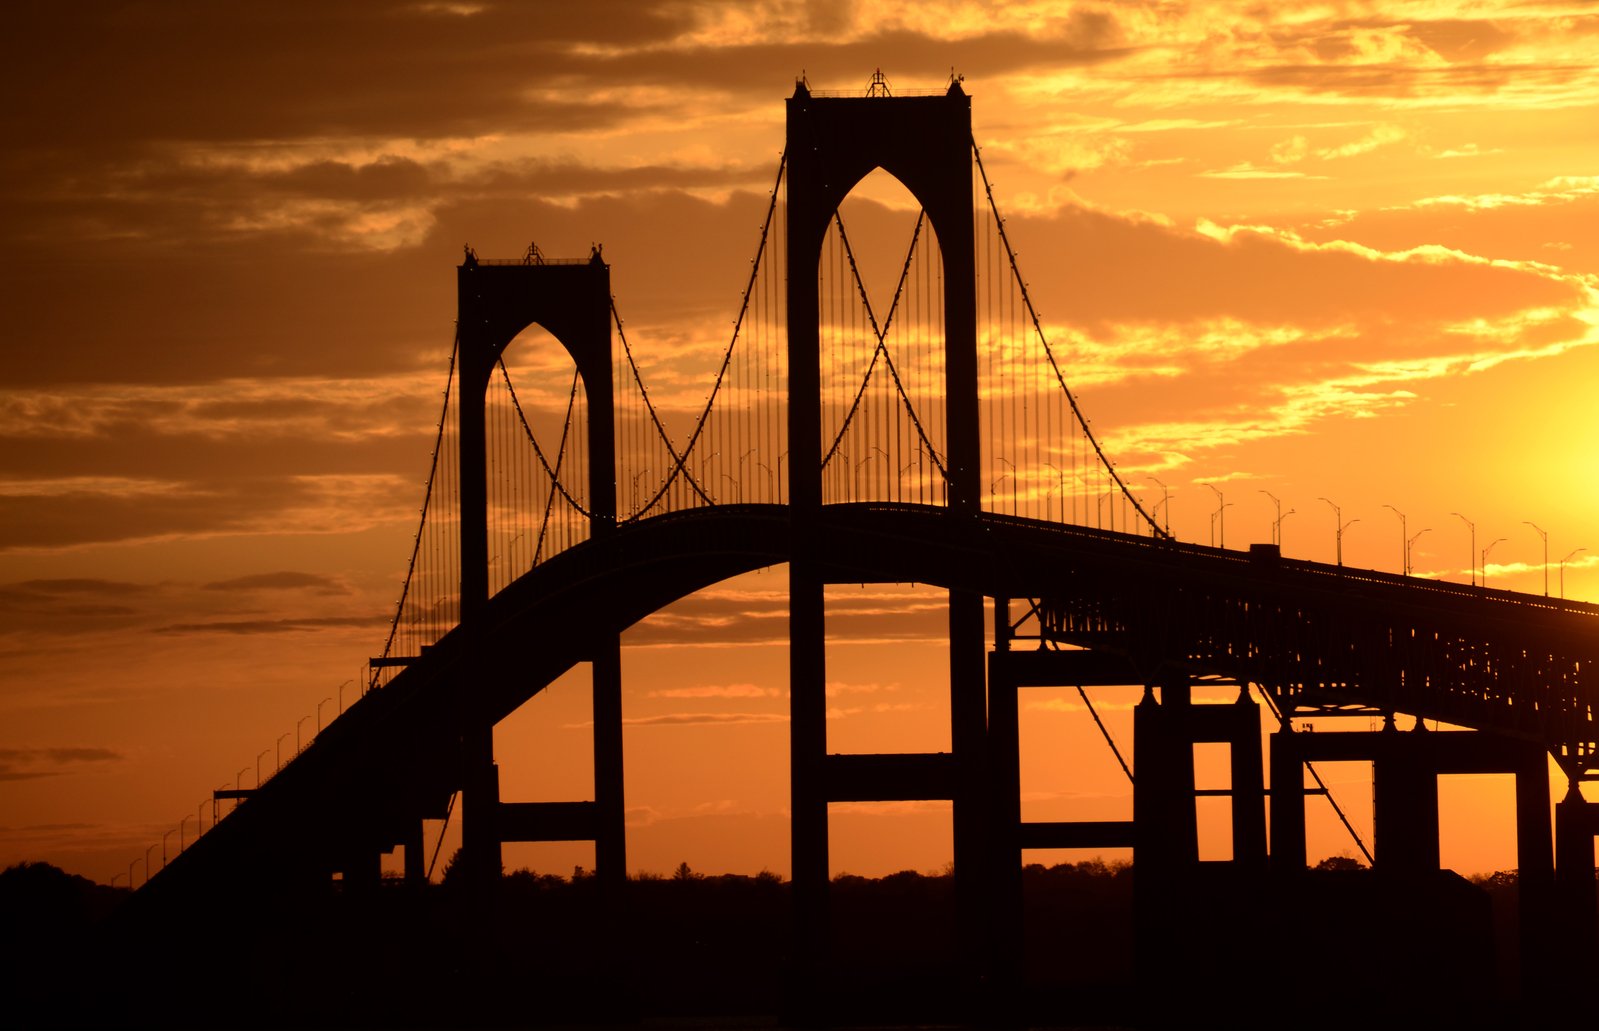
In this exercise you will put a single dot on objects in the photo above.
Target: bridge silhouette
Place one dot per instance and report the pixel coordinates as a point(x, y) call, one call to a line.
point(920, 429)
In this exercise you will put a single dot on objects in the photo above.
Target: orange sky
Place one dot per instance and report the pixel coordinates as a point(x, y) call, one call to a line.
point(1343, 250)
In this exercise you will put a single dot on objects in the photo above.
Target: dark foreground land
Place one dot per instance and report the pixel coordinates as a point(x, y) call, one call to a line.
point(690, 950)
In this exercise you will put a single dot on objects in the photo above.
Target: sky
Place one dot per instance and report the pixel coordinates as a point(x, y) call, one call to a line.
point(1342, 251)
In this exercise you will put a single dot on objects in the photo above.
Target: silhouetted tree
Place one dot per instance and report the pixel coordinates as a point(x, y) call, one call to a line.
point(1339, 864)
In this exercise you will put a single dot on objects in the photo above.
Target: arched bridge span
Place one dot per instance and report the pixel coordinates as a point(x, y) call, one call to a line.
point(1310, 634)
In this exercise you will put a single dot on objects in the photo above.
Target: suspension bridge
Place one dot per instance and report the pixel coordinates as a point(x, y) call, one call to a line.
point(913, 428)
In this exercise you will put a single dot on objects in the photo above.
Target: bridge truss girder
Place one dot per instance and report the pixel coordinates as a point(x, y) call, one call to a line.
point(1363, 643)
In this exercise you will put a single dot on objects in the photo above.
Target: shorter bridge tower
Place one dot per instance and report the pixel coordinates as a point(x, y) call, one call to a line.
point(571, 299)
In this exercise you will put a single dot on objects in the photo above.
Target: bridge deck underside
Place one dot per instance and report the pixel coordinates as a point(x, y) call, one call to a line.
point(1310, 633)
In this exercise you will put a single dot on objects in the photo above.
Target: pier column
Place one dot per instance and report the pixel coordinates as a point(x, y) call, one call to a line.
point(480, 807)
point(610, 833)
point(807, 755)
point(1005, 926)
point(1287, 802)
point(1405, 802)
point(1535, 865)
point(1575, 825)
point(1158, 851)
point(416, 867)
point(968, 710)
point(1248, 787)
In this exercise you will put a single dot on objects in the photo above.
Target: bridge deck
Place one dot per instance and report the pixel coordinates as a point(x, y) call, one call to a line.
point(1309, 633)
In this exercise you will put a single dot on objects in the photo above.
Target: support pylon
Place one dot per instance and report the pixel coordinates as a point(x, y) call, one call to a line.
point(497, 301)
point(833, 143)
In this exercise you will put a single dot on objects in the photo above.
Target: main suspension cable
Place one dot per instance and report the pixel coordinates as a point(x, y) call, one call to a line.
point(1032, 315)
point(679, 461)
point(427, 498)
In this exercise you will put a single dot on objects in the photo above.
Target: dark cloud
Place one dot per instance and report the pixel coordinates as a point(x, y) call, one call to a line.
point(157, 237)
point(80, 585)
point(70, 517)
point(34, 763)
point(871, 614)
point(252, 71)
point(78, 603)
point(81, 517)
point(909, 59)
point(103, 73)
point(698, 719)
point(264, 306)
point(268, 306)
point(276, 626)
point(1462, 39)
point(279, 582)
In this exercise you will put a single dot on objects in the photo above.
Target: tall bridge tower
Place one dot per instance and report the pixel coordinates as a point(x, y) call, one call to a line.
point(832, 144)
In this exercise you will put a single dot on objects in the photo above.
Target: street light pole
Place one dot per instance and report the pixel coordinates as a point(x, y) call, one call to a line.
point(1410, 551)
point(1015, 483)
point(259, 756)
point(1338, 528)
point(1165, 501)
point(1563, 572)
point(1404, 563)
point(319, 713)
point(1280, 519)
point(888, 467)
point(740, 469)
point(1276, 526)
point(1485, 552)
point(1341, 530)
point(1099, 511)
point(1545, 535)
point(1473, 527)
point(1221, 512)
point(278, 749)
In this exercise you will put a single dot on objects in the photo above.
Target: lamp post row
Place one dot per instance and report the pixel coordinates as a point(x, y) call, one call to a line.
point(1407, 540)
point(199, 815)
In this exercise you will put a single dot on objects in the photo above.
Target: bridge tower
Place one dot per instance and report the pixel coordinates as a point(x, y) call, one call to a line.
point(832, 144)
point(571, 300)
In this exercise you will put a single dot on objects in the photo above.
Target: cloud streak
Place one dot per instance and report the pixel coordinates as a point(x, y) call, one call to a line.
point(18, 764)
